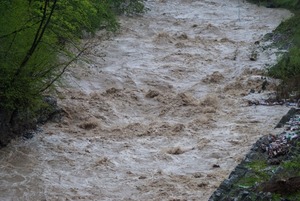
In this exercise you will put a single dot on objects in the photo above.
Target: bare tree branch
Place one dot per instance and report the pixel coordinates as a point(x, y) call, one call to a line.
point(63, 70)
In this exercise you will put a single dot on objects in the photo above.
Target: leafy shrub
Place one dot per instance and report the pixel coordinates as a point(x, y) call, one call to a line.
point(287, 36)
point(288, 67)
point(291, 4)
point(33, 38)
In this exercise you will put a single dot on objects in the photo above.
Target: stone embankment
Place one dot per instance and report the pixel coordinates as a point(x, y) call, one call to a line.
point(270, 171)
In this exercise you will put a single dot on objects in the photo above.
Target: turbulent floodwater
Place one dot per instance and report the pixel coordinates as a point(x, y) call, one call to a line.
point(155, 110)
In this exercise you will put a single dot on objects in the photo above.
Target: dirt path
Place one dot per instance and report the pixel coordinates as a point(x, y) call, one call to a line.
point(158, 113)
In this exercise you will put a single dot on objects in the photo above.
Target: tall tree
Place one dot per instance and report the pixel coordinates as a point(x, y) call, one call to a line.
point(33, 38)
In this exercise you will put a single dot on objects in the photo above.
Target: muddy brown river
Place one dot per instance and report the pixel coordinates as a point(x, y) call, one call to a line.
point(157, 112)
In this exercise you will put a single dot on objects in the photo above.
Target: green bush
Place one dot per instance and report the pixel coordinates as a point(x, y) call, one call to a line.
point(288, 67)
point(34, 37)
point(287, 36)
point(291, 4)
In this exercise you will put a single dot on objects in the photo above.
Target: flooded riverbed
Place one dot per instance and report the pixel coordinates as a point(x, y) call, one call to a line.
point(157, 112)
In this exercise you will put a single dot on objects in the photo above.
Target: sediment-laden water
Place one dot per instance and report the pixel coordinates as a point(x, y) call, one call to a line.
point(158, 112)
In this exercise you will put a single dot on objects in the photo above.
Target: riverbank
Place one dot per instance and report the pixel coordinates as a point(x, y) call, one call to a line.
point(270, 171)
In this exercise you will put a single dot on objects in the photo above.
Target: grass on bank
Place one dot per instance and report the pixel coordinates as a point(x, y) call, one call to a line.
point(286, 36)
point(288, 67)
point(262, 177)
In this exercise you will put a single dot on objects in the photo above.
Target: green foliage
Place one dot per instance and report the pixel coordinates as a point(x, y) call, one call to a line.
point(16, 38)
point(288, 67)
point(127, 6)
point(294, 196)
point(292, 165)
point(287, 36)
point(257, 166)
point(258, 173)
point(34, 37)
point(276, 197)
point(73, 17)
point(291, 4)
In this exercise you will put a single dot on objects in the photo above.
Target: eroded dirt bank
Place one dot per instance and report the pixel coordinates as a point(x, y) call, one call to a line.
point(158, 113)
